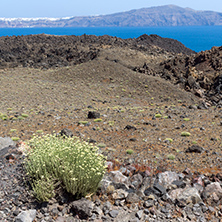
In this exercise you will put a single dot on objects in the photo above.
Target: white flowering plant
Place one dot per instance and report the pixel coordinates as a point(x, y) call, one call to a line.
point(75, 164)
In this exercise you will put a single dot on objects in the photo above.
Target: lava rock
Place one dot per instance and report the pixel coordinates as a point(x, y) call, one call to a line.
point(179, 183)
point(82, 207)
point(195, 149)
point(93, 115)
point(132, 198)
point(128, 127)
point(66, 132)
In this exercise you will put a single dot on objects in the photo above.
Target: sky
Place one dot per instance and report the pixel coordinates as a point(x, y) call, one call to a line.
point(68, 8)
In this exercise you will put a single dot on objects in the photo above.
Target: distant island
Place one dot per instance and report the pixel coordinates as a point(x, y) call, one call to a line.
point(168, 15)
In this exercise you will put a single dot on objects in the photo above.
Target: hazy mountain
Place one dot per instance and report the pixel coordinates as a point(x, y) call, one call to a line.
point(169, 15)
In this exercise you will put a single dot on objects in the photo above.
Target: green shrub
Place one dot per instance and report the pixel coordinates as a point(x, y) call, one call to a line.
point(25, 115)
point(13, 130)
point(83, 122)
point(158, 115)
point(98, 120)
point(129, 151)
point(169, 139)
point(185, 134)
point(39, 131)
point(101, 145)
point(111, 123)
point(67, 161)
point(3, 116)
point(15, 138)
point(171, 157)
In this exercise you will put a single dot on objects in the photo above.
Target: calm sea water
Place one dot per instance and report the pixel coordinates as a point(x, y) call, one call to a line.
point(197, 38)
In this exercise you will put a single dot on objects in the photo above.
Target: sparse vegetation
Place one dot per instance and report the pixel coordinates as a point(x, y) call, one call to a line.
point(185, 134)
point(15, 138)
point(24, 115)
point(158, 115)
point(98, 120)
point(129, 151)
point(83, 122)
point(171, 157)
point(68, 162)
point(169, 139)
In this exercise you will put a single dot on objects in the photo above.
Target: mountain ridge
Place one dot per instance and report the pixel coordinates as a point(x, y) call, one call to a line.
point(167, 15)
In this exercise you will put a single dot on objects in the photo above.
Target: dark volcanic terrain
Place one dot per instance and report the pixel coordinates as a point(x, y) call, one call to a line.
point(148, 92)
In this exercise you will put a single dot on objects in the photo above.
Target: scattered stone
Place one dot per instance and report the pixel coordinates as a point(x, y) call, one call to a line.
point(161, 190)
point(26, 216)
point(93, 115)
point(179, 183)
point(186, 196)
point(139, 214)
point(128, 127)
point(91, 141)
point(195, 149)
point(132, 198)
point(136, 180)
point(6, 142)
point(82, 207)
point(148, 203)
point(107, 207)
point(213, 193)
point(66, 132)
point(118, 177)
point(119, 194)
point(113, 213)
point(166, 178)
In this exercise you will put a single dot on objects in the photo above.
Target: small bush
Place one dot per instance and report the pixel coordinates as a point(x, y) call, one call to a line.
point(158, 115)
point(83, 122)
point(15, 138)
point(12, 130)
point(68, 161)
point(101, 145)
point(3, 116)
point(171, 157)
point(98, 120)
point(186, 119)
point(25, 115)
point(185, 134)
point(129, 151)
point(169, 139)
point(111, 123)
point(39, 131)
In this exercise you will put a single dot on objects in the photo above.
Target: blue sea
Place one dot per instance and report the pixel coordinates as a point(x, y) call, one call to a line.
point(197, 38)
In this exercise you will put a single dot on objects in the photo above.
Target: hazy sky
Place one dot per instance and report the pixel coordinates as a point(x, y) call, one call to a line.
point(64, 8)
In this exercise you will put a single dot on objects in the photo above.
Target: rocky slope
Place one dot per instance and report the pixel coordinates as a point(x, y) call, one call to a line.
point(199, 74)
point(169, 15)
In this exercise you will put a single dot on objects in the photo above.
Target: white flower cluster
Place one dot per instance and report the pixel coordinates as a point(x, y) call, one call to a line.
point(77, 165)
